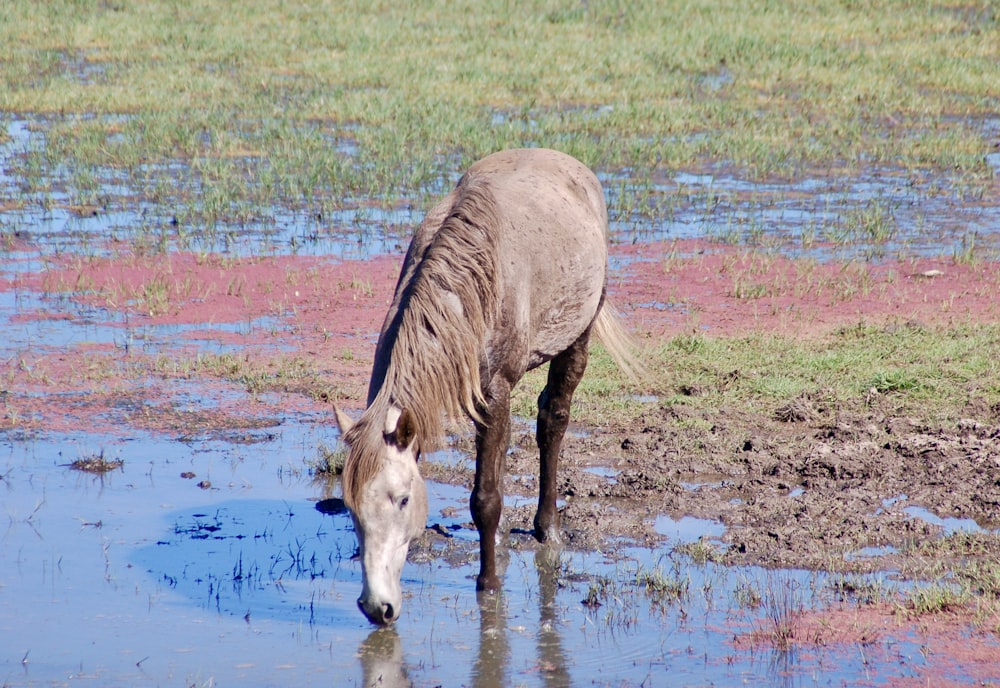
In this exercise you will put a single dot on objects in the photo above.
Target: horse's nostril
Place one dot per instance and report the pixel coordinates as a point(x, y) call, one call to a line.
point(388, 613)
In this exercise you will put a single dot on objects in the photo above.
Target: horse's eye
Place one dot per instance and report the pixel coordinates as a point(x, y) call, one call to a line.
point(403, 502)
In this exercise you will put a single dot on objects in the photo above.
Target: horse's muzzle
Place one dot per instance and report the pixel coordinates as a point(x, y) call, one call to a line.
point(379, 614)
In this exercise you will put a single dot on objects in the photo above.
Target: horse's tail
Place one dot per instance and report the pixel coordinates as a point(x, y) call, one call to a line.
point(620, 344)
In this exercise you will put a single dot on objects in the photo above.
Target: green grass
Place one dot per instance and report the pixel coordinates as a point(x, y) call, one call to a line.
point(328, 463)
point(664, 588)
point(930, 372)
point(224, 111)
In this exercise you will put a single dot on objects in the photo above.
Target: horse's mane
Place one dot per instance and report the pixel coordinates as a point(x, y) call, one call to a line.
point(428, 357)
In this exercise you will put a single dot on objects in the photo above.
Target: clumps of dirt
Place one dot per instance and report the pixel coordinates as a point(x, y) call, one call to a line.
point(797, 410)
point(98, 464)
point(812, 484)
point(203, 423)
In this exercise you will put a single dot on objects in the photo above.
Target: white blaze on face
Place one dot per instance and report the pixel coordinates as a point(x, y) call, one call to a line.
point(391, 512)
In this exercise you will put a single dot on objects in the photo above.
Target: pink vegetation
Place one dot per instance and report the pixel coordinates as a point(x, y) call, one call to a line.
point(329, 311)
point(186, 288)
point(689, 287)
point(940, 649)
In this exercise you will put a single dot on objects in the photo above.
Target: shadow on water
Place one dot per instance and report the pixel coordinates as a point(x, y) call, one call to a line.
point(257, 559)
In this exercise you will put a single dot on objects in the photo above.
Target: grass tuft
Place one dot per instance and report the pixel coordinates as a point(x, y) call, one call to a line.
point(97, 463)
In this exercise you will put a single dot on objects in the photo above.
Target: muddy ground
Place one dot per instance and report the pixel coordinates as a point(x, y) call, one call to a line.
point(810, 486)
point(815, 490)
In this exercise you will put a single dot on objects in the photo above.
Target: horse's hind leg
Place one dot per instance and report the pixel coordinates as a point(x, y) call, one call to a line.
point(486, 503)
point(565, 372)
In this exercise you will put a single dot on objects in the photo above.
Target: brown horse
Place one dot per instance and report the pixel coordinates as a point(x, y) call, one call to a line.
point(506, 273)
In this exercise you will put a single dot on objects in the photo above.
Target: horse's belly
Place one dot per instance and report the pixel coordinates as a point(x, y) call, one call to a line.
point(564, 303)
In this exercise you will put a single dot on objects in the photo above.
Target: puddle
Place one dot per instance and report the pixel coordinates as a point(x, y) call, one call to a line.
point(30, 322)
point(871, 553)
point(602, 471)
point(874, 214)
point(695, 482)
point(59, 218)
point(877, 214)
point(688, 529)
point(949, 525)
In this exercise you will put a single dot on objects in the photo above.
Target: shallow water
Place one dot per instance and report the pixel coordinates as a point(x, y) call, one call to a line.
point(872, 214)
point(949, 525)
point(23, 329)
point(139, 577)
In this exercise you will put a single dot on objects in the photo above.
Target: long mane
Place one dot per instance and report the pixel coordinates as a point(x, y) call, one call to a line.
point(429, 355)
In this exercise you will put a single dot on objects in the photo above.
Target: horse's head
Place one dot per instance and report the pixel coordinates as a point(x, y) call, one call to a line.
point(387, 499)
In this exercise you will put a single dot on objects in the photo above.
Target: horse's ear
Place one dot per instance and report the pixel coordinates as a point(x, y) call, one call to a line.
point(406, 429)
point(344, 422)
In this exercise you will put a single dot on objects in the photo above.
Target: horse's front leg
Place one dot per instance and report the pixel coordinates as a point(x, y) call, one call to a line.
point(492, 440)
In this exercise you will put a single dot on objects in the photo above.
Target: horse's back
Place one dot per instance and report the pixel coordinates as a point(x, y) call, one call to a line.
point(550, 234)
point(536, 183)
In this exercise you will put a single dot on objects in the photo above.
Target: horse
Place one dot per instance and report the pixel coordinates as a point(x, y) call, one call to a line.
point(506, 273)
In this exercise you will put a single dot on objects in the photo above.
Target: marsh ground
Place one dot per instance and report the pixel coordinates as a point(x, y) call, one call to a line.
point(202, 212)
point(851, 431)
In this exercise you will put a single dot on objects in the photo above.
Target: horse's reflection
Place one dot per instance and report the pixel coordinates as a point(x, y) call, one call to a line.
point(551, 658)
point(382, 660)
point(494, 650)
point(382, 653)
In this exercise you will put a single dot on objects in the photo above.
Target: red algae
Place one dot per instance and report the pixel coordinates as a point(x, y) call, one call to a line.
point(325, 311)
point(188, 288)
point(329, 312)
point(669, 289)
point(941, 649)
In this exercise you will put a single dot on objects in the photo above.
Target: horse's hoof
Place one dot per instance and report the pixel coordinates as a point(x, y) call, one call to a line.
point(549, 536)
point(486, 583)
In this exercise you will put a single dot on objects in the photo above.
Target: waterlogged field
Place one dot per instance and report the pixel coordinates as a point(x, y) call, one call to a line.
point(203, 210)
point(139, 577)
